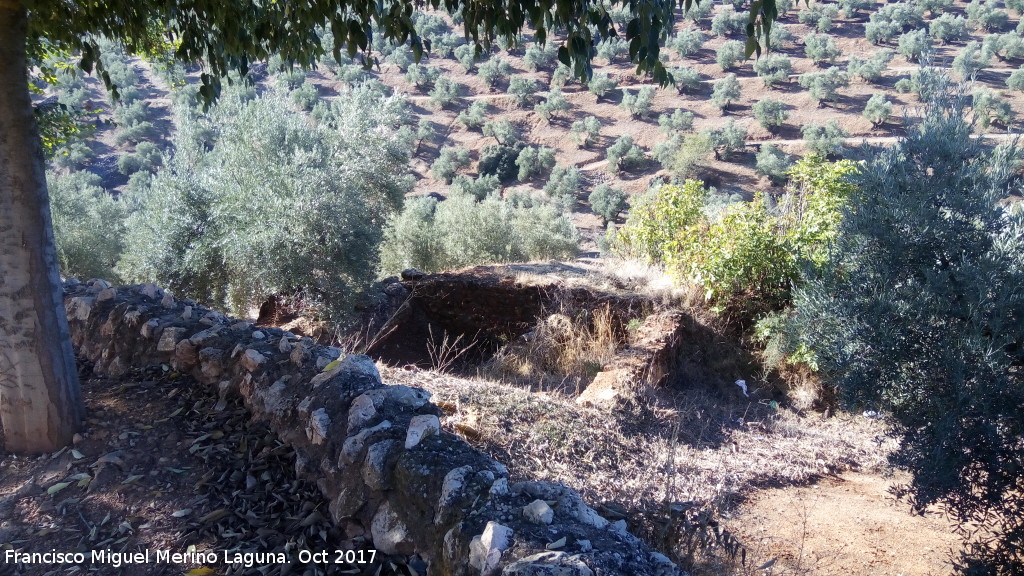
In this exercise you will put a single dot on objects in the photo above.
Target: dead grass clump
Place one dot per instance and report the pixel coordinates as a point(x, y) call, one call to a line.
point(562, 352)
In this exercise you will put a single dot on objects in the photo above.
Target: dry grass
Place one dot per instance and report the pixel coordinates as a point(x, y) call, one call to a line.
point(697, 451)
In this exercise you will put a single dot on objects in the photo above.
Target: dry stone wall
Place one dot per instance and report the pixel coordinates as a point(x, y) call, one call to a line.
point(392, 476)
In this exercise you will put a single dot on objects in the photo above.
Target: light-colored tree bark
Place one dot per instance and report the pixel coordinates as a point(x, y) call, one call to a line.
point(40, 400)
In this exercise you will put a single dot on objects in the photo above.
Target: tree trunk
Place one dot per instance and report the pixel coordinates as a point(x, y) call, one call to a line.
point(40, 400)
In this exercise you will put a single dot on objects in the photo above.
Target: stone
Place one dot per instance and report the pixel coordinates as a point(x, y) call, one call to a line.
point(150, 290)
point(549, 564)
point(258, 335)
point(203, 336)
point(283, 345)
point(360, 412)
point(485, 550)
point(421, 427)
point(211, 363)
point(252, 360)
point(538, 512)
point(353, 445)
point(107, 294)
point(168, 300)
point(185, 355)
point(149, 328)
point(390, 535)
point(186, 314)
point(81, 306)
point(412, 274)
point(318, 427)
point(169, 339)
point(375, 470)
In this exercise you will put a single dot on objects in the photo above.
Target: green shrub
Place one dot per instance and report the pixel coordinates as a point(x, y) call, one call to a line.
point(726, 91)
point(870, 70)
point(821, 48)
point(987, 15)
point(880, 31)
point(819, 16)
point(853, 8)
point(466, 55)
point(494, 71)
point(1016, 79)
point(534, 161)
point(473, 117)
point(203, 229)
point(684, 156)
point(479, 188)
point(502, 130)
point(585, 132)
point(655, 219)
point(699, 10)
point(989, 106)
point(948, 28)
point(521, 89)
point(625, 155)
point(72, 156)
point(970, 60)
point(770, 114)
point(128, 114)
point(540, 57)
point(305, 96)
point(610, 49)
point(915, 45)
point(823, 86)
point(607, 202)
point(727, 140)
point(773, 69)
point(445, 93)
point(434, 236)
point(780, 35)
point(935, 7)
point(565, 181)
point(400, 57)
point(728, 21)
point(88, 226)
point(553, 105)
point(729, 54)
point(877, 110)
point(687, 42)
point(639, 104)
point(686, 79)
point(135, 133)
point(146, 157)
point(922, 82)
point(500, 161)
point(451, 160)
point(678, 121)
point(827, 140)
point(423, 77)
point(600, 85)
point(916, 313)
point(773, 163)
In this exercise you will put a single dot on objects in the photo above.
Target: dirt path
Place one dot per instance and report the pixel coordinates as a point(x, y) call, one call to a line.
point(847, 525)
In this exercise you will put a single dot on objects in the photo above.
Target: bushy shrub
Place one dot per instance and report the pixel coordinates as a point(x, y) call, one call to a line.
point(502, 130)
point(970, 60)
point(445, 93)
point(870, 70)
point(935, 7)
point(770, 114)
point(553, 105)
point(585, 132)
point(823, 86)
point(564, 182)
point(686, 79)
point(687, 42)
point(135, 133)
point(877, 110)
point(494, 71)
point(521, 89)
point(914, 45)
point(700, 10)
point(780, 35)
point(479, 188)
point(1016, 79)
point(773, 69)
point(128, 114)
point(466, 55)
point(827, 140)
point(400, 57)
point(451, 160)
point(922, 82)
point(726, 91)
point(305, 96)
point(819, 16)
point(639, 104)
point(533, 161)
point(423, 77)
point(607, 202)
point(500, 161)
point(728, 21)
point(657, 217)
point(610, 49)
point(878, 32)
point(989, 106)
point(948, 28)
point(434, 236)
point(729, 54)
point(600, 85)
point(773, 163)
point(625, 155)
point(473, 118)
point(821, 48)
point(540, 57)
point(203, 229)
point(678, 121)
point(922, 323)
point(853, 8)
point(727, 140)
point(88, 225)
point(72, 156)
point(146, 157)
point(987, 15)
point(1009, 46)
